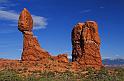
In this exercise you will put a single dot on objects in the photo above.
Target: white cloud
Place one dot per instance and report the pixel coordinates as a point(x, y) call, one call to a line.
point(8, 15)
point(106, 57)
point(70, 57)
point(39, 22)
point(6, 32)
point(117, 55)
point(2, 8)
point(3, 1)
point(101, 7)
point(86, 11)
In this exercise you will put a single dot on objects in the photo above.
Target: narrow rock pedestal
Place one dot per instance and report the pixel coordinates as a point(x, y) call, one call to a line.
point(31, 48)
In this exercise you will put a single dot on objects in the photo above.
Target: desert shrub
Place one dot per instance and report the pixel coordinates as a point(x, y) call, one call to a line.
point(90, 75)
point(46, 79)
point(103, 75)
point(57, 76)
point(31, 78)
point(65, 76)
point(9, 75)
point(47, 74)
point(120, 74)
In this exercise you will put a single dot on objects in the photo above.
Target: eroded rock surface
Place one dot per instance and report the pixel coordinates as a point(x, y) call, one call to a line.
point(61, 58)
point(31, 48)
point(86, 44)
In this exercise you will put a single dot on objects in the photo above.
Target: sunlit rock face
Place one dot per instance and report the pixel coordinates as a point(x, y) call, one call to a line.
point(25, 22)
point(31, 48)
point(86, 44)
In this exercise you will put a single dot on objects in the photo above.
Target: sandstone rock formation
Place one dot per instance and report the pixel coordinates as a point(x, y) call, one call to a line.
point(61, 58)
point(31, 48)
point(86, 45)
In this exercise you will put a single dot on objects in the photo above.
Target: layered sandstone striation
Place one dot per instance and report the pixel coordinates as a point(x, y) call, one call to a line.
point(31, 48)
point(86, 45)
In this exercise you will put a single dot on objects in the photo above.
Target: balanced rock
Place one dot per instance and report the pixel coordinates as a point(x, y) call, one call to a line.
point(86, 45)
point(25, 22)
point(31, 48)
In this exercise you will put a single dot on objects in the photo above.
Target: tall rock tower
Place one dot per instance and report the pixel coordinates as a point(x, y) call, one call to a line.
point(86, 45)
point(31, 48)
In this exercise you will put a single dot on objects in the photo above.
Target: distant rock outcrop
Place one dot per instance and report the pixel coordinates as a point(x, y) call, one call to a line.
point(31, 48)
point(86, 45)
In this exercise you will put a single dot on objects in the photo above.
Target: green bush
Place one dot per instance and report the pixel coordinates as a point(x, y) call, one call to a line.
point(103, 75)
point(120, 74)
point(90, 75)
point(31, 78)
point(9, 75)
point(46, 79)
point(47, 74)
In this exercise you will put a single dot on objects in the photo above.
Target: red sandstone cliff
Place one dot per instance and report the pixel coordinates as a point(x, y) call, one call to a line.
point(86, 45)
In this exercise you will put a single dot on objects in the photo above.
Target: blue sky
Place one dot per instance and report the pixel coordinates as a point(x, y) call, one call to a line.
point(53, 23)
